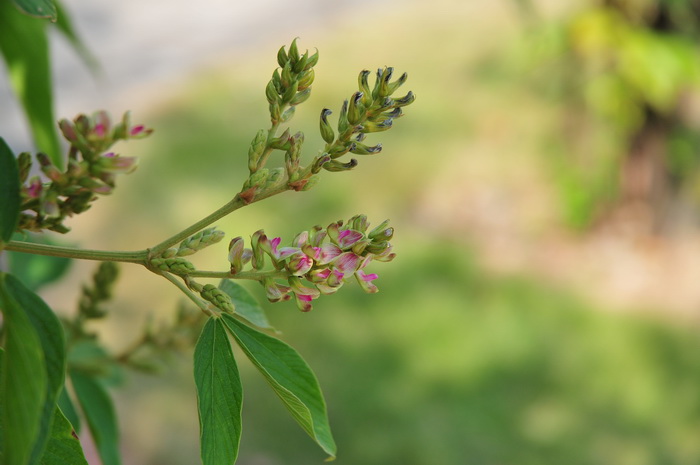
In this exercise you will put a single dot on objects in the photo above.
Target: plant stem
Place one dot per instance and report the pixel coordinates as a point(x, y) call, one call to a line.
point(138, 256)
point(252, 275)
point(192, 296)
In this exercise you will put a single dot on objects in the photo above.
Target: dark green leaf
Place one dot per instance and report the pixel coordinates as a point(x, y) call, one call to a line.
point(23, 384)
point(66, 405)
point(219, 395)
point(246, 305)
point(65, 25)
point(63, 447)
point(24, 45)
point(37, 8)
point(99, 412)
point(9, 192)
point(51, 337)
point(290, 377)
point(33, 270)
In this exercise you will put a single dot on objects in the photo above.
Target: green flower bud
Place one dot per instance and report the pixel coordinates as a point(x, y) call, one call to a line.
point(275, 178)
point(256, 150)
point(371, 126)
point(175, 265)
point(256, 179)
point(408, 99)
point(311, 62)
point(356, 111)
point(277, 80)
point(358, 223)
point(384, 82)
point(341, 148)
point(334, 165)
point(282, 57)
point(219, 298)
point(319, 162)
point(169, 253)
point(343, 124)
point(281, 142)
point(197, 242)
point(362, 149)
point(380, 232)
point(293, 52)
point(301, 97)
point(398, 83)
point(290, 92)
point(363, 85)
point(306, 79)
point(256, 240)
point(271, 92)
point(286, 77)
point(326, 130)
point(301, 64)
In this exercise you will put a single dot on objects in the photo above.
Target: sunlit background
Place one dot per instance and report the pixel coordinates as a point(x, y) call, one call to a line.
point(544, 303)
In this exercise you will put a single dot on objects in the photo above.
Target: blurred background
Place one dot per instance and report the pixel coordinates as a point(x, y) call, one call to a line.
point(544, 305)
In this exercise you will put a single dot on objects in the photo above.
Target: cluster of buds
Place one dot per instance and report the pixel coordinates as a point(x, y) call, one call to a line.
point(171, 261)
point(91, 170)
point(318, 262)
point(367, 111)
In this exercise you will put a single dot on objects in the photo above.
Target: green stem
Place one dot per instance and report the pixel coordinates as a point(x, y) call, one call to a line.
point(252, 275)
point(192, 296)
point(138, 256)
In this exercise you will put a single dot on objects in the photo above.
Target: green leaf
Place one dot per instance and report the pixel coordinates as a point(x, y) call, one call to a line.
point(65, 25)
point(37, 8)
point(246, 305)
point(24, 381)
point(290, 377)
point(9, 192)
point(65, 403)
point(219, 395)
point(52, 339)
point(63, 447)
point(99, 412)
point(24, 45)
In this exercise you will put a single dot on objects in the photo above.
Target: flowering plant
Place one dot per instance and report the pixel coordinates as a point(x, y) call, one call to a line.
point(51, 366)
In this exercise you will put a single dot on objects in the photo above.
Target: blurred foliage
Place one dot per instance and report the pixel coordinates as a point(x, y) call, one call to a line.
point(622, 72)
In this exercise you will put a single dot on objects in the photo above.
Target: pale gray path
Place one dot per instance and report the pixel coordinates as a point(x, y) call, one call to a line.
point(148, 41)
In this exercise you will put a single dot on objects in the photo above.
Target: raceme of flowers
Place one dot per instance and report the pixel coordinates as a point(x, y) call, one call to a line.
point(317, 262)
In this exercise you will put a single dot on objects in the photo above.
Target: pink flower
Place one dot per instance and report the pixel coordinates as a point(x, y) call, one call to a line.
point(365, 281)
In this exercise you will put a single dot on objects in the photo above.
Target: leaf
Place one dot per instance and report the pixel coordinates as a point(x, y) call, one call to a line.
point(9, 192)
point(246, 305)
point(24, 381)
point(290, 377)
point(219, 395)
point(52, 340)
point(37, 8)
point(63, 447)
point(66, 405)
point(65, 25)
point(99, 412)
point(24, 45)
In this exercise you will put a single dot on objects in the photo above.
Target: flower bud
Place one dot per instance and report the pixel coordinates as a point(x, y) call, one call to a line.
point(219, 298)
point(256, 239)
point(363, 85)
point(271, 93)
point(356, 111)
point(235, 254)
point(335, 165)
point(275, 112)
point(408, 99)
point(281, 142)
point(359, 223)
point(319, 162)
point(311, 62)
point(362, 149)
point(175, 265)
point(306, 79)
point(384, 82)
point(199, 241)
point(398, 83)
point(290, 92)
point(311, 181)
point(371, 126)
point(256, 179)
point(299, 264)
point(293, 52)
point(326, 129)
point(365, 281)
point(256, 150)
point(282, 57)
point(301, 97)
point(343, 123)
point(286, 78)
point(274, 291)
point(299, 66)
point(382, 232)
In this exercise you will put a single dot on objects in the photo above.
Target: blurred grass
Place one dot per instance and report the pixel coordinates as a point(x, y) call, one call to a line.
point(447, 364)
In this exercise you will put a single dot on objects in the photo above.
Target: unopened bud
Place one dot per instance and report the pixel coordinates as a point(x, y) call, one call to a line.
point(256, 241)
point(271, 92)
point(356, 111)
point(290, 92)
point(319, 162)
point(235, 254)
point(306, 79)
point(256, 179)
point(287, 115)
point(282, 57)
point(371, 126)
point(343, 123)
point(199, 241)
point(326, 129)
point(175, 265)
point(219, 298)
point(408, 99)
point(257, 147)
point(301, 64)
point(398, 83)
point(359, 223)
point(293, 52)
point(362, 149)
point(335, 165)
point(380, 232)
point(24, 164)
point(301, 97)
point(311, 62)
